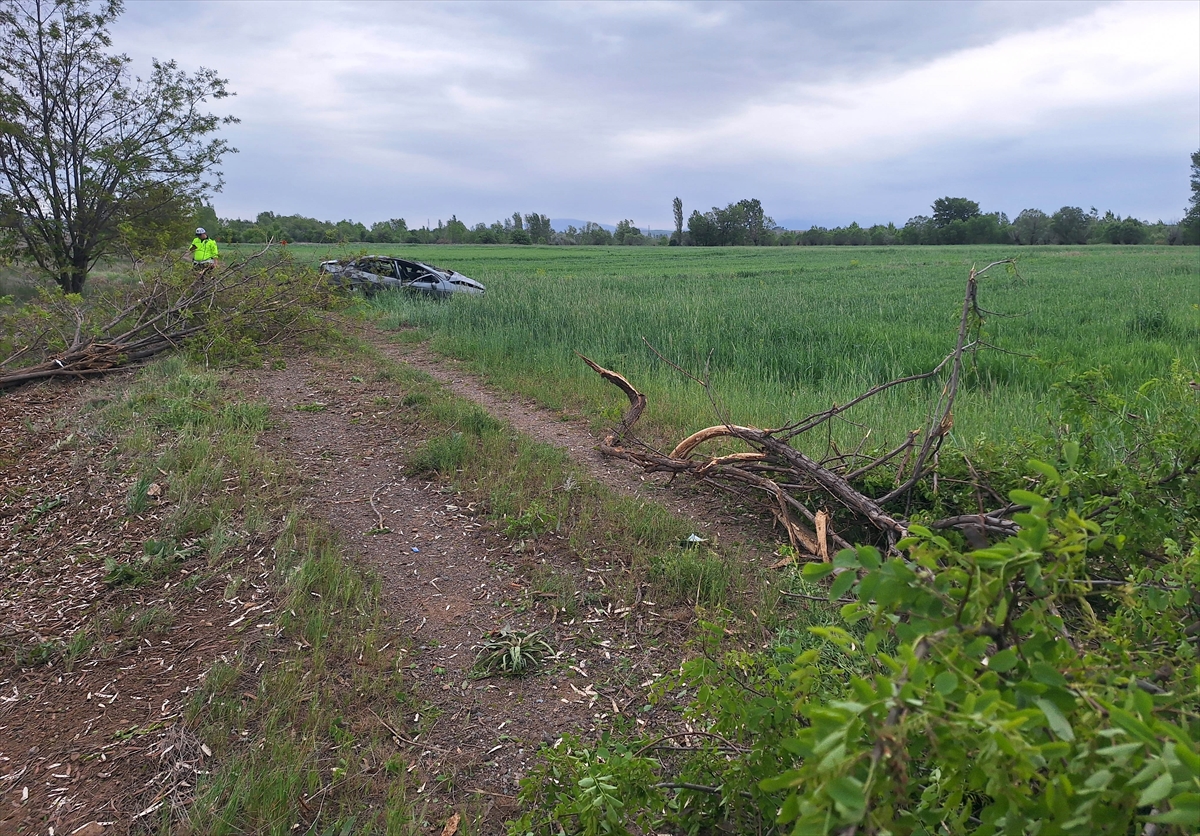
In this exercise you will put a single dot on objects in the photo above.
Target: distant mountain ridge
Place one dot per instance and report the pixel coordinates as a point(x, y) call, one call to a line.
point(561, 224)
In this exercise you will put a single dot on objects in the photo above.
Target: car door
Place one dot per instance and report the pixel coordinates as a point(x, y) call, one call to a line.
point(427, 282)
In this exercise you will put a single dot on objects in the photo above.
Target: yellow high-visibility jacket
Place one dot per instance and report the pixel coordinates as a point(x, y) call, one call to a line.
point(203, 250)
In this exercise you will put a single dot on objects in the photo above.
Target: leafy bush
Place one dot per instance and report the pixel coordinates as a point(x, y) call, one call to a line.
point(1023, 695)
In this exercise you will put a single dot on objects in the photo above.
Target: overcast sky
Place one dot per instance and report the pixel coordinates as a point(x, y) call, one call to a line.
point(826, 112)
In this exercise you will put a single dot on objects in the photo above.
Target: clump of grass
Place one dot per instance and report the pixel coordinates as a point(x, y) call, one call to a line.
point(692, 576)
point(158, 559)
point(508, 652)
point(531, 522)
point(154, 621)
point(139, 495)
point(1150, 324)
point(443, 454)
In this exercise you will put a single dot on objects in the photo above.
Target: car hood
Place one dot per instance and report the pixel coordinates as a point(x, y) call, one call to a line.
point(465, 283)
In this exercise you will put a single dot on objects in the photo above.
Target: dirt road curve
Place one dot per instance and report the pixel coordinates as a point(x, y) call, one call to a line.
point(711, 517)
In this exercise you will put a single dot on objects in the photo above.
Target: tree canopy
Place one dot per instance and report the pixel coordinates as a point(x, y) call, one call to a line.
point(86, 151)
point(947, 210)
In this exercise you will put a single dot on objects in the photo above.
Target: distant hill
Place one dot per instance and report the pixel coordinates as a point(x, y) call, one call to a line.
point(561, 224)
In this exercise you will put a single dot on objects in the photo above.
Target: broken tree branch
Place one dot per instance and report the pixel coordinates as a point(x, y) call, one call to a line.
point(789, 479)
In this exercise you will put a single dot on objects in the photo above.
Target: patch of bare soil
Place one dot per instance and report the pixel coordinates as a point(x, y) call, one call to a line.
point(96, 744)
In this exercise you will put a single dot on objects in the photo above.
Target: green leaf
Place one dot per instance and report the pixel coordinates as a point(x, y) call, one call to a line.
point(1027, 498)
point(1159, 789)
point(780, 782)
point(846, 559)
point(1058, 722)
point(945, 683)
point(869, 557)
point(789, 809)
point(1003, 661)
point(1045, 674)
point(852, 613)
point(1120, 752)
point(1185, 810)
point(1131, 724)
point(1190, 759)
point(815, 571)
point(842, 584)
point(1071, 453)
point(848, 792)
point(1046, 470)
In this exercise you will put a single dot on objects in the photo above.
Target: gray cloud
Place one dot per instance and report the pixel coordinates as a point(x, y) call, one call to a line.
point(827, 112)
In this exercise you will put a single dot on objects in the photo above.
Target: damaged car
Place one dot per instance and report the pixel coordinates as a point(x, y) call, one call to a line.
point(374, 273)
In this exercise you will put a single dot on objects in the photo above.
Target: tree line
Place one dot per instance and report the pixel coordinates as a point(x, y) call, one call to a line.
point(953, 220)
point(533, 228)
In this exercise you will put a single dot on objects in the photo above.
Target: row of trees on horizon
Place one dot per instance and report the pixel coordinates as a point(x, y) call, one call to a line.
point(953, 220)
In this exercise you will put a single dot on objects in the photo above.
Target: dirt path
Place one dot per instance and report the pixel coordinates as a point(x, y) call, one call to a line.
point(449, 576)
point(711, 517)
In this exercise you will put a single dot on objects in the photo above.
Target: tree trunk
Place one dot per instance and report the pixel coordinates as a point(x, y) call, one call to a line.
point(71, 280)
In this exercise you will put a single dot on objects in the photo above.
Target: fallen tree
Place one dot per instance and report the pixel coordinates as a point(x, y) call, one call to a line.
point(237, 309)
point(800, 489)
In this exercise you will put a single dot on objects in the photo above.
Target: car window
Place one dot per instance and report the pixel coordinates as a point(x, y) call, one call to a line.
point(405, 268)
point(378, 267)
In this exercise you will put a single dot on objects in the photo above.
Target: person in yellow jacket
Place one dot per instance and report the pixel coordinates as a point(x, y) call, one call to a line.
point(203, 250)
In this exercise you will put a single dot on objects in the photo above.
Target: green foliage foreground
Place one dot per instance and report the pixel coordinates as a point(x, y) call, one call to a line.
point(1046, 684)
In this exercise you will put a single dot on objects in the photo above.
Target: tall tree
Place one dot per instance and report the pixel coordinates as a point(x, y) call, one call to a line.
point(627, 233)
point(677, 208)
point(85, 150)
point(1032, 226)
point(1191, 221)
point(756, 219)
point(702, 229)
point(1070, 225)
point(947, 210)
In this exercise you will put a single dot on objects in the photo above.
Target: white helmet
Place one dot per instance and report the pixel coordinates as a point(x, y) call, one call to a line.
point(200, 231)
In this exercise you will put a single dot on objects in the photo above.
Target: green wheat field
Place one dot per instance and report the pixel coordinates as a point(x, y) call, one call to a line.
point(784, 332)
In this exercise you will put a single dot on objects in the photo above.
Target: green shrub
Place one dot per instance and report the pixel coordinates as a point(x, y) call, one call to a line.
point(1008, 704)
